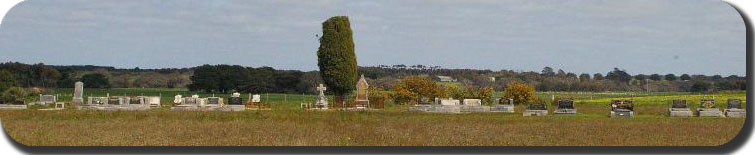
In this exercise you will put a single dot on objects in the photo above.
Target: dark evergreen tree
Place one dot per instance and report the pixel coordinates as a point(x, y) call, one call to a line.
point(685, 77)
point(95, 80)
point(656, 77)
point(619, 75)
point(670, 77)
point(336, 57)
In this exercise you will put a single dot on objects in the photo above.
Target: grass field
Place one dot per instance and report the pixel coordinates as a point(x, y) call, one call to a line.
point(285, 125)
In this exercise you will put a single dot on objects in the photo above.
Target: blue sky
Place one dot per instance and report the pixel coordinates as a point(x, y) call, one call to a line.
point(580, 36)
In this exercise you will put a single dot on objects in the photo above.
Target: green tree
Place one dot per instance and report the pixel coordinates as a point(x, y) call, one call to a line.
point(685, 77)
point(597, 76)
point(619, 75)
point(95, 80)
point(6, 80)
point(336, 57)
point(656, 77)
point(584, 77)
point(670, 77)
point(700, 86)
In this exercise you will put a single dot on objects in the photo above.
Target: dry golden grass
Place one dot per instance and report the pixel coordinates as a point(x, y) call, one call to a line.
point(378, 128)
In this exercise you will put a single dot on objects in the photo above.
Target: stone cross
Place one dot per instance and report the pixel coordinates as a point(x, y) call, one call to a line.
point(322, 101)
point(322, 89)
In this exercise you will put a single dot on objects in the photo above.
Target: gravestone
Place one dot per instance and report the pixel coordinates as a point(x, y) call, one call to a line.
point(78, 93)
point(256, 98)
point(137, 100)
point(474, 105)
point(190, 101)
point(679, 108)
point(536, 109)
point(97, 101)
point(153, 101)
point(472, 102)
point(60, 105)
point(504, 105)
point(322, 101)
point(622, 109)
point(47, 99)
point(734, 108)
point(565, 107)
point(235, 99)
point(214, 101)
point(709, 108)
point(187, 103)
point(449, 102)
point(13, 105)
point(235, 103)
point(362, 99)
point(178, 99)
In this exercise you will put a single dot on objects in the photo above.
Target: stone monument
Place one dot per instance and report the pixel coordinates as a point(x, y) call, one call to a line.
point(47, 99)
point(622, 109)
point(709, 108)
point(734, 108)
point(504, 105)
point(679, 108)
point(235, 103)
point(78, 93)
point(565, 107)
point(474, 105)
point(472, 102)
point(322, 101)
point(536, 109)
point(214, 101)
point(362, 100)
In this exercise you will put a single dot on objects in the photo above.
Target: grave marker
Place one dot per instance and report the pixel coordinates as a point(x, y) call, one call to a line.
point(622, 109)
point(679, 108)
point(734, 108)
point(565, 107)
point(709, 108)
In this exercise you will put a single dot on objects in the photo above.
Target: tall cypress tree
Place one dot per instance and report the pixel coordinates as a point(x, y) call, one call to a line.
point(336, 58)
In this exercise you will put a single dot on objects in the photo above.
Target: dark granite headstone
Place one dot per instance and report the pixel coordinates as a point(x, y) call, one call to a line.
point(213, 100)
point(565, 104)
point(234, 101)
point(537, 106)
point(734, 104)
point(679, 103)
point(114, 101)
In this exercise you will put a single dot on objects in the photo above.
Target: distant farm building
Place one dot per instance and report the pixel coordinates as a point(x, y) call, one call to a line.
point(444, 79)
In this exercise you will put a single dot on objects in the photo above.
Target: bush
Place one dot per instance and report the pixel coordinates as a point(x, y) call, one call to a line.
point(520, 92)
point(414, 88)
point(12, 95)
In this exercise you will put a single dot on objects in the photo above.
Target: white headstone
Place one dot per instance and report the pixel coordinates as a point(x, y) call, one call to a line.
point(78, 93)
point(472, 102)
point(449, 101)
point(178, 99)
point(256, 98)
point(236, 95)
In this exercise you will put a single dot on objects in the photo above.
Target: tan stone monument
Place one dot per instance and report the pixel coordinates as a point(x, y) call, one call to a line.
point(362, 100)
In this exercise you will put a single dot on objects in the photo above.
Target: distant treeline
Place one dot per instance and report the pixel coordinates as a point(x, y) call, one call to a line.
point(226, 78)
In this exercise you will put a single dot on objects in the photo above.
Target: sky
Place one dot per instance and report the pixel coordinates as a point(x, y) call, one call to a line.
point(580, 36)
